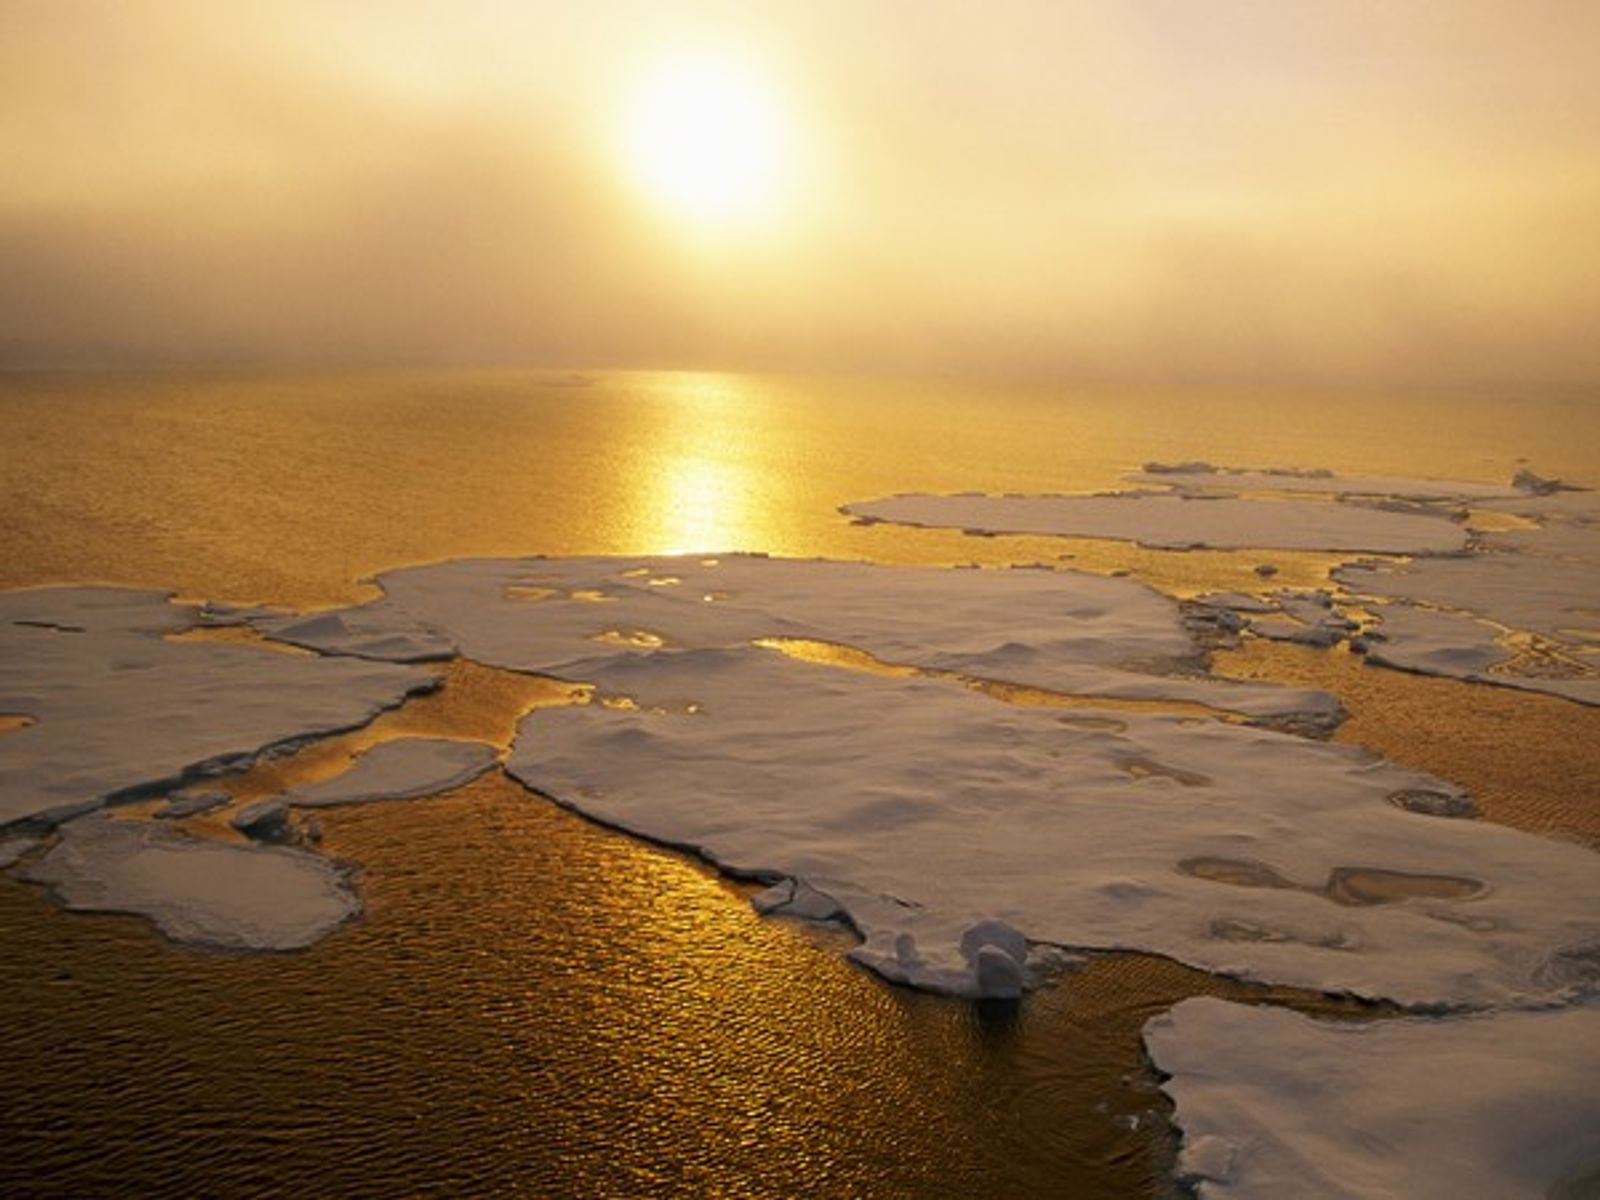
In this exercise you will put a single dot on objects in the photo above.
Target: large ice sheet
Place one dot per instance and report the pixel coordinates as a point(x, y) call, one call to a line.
point(399, 770)
point(1180, 521)
point(923, 809)
point(119, 706)
point(1061, 630)
point(200, 892)
point(1275, 1104)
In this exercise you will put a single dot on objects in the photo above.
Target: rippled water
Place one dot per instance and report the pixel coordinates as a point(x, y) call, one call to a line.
point(534, 1004)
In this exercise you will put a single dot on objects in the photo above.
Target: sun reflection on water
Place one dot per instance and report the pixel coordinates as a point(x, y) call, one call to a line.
point(700, 490)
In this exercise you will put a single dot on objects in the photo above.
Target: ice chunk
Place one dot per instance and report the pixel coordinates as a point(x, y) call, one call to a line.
point(1180, 522)
point(399, 770)
point(796, 898)
point(997, 952)
point(190, 801)
point(121, 708)
point(265, 821)
point(1273, 1104)
point(923, 809)
point(202, 893)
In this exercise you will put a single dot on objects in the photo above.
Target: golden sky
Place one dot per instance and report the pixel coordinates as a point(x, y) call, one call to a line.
point(1144, 190)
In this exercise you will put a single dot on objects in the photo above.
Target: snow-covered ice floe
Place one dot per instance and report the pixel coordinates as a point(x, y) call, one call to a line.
point(121, 708)
point(1203, 477)
point(1180, 521)
point(1059, 630)
point(949, 828)
point(923, 810)
point(1275, 1104)
point(399, 770)
point(1520, 607)
point(197, 891)
point(1523, 610)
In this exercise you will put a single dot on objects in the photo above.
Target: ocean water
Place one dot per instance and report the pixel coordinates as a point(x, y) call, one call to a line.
point(535, 1005)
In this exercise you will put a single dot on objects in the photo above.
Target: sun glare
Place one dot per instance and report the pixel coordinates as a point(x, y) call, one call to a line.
point(705, 140)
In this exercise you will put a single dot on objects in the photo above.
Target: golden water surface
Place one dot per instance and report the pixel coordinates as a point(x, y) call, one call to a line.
point(535, 1005)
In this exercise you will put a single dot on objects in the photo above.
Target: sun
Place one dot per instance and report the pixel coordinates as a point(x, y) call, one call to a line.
point(706, 141)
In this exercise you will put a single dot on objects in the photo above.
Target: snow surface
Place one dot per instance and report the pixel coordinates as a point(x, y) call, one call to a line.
point(1206, 476)
point(1274, 1104)
point(399, 770)
point(1539, 586)
point(1060, 630)
point(1179, 522)
point(922, 809)
point(199, 892)
point(188, 802)
point(12, 849)
point(118, 707)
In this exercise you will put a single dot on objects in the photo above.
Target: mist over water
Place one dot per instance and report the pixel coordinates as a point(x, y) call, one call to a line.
point(1142, 192)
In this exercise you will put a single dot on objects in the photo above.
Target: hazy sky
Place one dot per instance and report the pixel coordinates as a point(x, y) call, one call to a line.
point(1228, 190)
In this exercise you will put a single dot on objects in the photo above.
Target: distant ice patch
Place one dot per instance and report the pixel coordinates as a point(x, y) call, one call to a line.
point(1275, 1104)
point(1180, 521)
point(199, 892)
point(1202, 477)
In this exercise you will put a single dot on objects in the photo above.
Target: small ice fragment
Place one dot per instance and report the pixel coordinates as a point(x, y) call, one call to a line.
point(1534, 485)
point(404, 769)
point(1208, 1158)
point(796, 898)
point(1435, 804)
point(997, 952)
point(187, 803)
point(263, 821)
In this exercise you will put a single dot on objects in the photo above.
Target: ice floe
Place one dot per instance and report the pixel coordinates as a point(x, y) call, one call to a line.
point(119, 707)
point(13, 849)
point(922, 809)
point(1273, 1104)
point(399, 770)
point(1169, 521)
point(1523, 610)
point(1060, 630)
point(1204, 476)
point(197, 891)
point(191, 801)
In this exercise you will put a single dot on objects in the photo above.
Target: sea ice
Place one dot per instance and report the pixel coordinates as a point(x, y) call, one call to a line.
point(12, 849)
point(1273, 1104)
point(264, 821)
point(1175, 521)
point(188, 802)
point(399, 770)
point(199, 892)
point(922, 809)
point(1059, 630)
point(1202, 476)
point(1521, 611)
point(363, 632)
point(119, 707)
